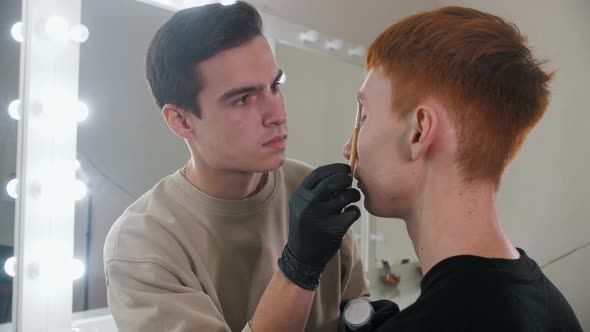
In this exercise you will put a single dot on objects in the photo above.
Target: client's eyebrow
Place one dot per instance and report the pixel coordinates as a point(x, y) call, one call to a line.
point(278, 78)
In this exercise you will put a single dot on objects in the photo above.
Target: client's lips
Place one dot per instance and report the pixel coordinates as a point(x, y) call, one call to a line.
point(358, 181)
point(278, 141)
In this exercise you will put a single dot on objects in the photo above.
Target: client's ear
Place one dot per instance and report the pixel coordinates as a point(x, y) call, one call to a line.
point(423, 122)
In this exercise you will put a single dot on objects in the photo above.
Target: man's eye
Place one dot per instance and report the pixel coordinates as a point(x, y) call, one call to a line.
point(276, 87)
point(245, 99)
point(363, 116)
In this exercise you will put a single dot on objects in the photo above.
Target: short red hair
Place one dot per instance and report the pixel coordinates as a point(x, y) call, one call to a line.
point(479, 66)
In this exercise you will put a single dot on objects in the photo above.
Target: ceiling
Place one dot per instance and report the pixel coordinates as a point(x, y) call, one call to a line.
point(357, 21)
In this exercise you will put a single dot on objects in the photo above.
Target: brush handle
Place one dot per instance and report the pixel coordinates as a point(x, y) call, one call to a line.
point(353, 153)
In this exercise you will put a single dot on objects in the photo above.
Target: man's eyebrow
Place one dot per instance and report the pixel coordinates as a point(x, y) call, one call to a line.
point(240, 90)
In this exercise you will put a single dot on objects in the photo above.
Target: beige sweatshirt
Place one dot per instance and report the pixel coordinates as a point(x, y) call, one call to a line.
point(181, 260)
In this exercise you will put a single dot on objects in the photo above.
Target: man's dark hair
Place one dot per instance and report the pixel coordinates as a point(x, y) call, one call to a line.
point(189, 37)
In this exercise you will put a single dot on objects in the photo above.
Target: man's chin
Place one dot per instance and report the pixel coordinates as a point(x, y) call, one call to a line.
point(369, 207)
point(275, 163)
point(375, 210)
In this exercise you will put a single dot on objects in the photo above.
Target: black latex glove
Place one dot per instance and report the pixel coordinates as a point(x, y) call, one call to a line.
point(318, 220)
point(384, 310)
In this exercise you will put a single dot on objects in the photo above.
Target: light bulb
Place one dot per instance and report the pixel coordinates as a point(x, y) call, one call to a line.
point(357, 51)
point(335, 44)
point(11, 188)
point(17, 32)
point(14, 109)
point(79, 33)
point(79, 190)
point(311, 36)
point(9, 266)
point(228, 2)
point(81, 111)
point(57, 29)
point(78, 269)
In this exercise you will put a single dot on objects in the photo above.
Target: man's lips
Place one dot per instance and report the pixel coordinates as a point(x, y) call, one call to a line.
point(358, 179)
point(277, 141)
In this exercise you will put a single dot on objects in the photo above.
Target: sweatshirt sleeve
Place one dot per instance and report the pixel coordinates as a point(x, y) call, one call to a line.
point(150, 283)
point(146, 296)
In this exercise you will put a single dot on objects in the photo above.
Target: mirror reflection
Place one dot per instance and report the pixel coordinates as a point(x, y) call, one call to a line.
point(10, 15)
point(124, 147)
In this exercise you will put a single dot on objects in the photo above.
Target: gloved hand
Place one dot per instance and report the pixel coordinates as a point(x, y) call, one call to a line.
point(318, 220)
point(384, 310)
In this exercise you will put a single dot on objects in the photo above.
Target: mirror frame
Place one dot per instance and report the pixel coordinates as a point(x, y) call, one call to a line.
point(44, 213)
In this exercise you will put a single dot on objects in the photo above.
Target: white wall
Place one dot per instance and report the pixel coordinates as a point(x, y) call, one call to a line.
point(320, 97)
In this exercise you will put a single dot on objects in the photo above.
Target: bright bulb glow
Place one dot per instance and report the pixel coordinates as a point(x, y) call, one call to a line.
point(79, 33)
point(57, 29)
point(357, 51)
point(227, 2)
point(81, 111)
point(17, 32)
point(79, 190)
point(9, 266)
point(78, 269)
point(311, 36)
point(335, 44)
point(14, 109)
point(11, 188)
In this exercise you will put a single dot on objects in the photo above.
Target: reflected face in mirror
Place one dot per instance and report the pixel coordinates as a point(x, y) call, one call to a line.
point(385, 172)
point(243, 123)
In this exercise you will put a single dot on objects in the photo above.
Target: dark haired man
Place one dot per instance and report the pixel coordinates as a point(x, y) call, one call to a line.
point(199, 251)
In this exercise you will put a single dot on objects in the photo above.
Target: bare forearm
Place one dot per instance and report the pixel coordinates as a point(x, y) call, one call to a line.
point(284, 306)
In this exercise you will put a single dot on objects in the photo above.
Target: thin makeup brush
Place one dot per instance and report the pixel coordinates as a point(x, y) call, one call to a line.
point(355, 136)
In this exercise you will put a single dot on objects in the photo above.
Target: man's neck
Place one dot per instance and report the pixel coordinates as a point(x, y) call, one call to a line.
point(224, 184)
point(451, 219)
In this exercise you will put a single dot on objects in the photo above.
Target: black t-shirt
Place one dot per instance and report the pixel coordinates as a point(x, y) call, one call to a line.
point(471, 293)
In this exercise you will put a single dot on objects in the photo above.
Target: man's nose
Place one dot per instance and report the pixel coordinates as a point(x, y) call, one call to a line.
point(275, 113)
point(346, 149)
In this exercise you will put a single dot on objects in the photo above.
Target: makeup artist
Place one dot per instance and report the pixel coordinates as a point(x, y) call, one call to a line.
point(238, 238)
